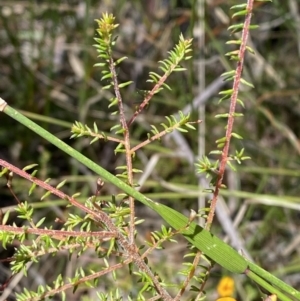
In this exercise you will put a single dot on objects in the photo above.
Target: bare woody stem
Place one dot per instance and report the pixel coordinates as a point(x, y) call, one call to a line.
point(233, 101)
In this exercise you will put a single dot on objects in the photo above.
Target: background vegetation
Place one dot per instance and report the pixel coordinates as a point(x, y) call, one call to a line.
point(46, 71)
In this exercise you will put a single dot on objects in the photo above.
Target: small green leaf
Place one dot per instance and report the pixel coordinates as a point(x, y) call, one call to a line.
point(235, 58)
point(236, 136)
point(239, 6)
point(106, 87)
point(236, 42)
point(225, 115)
point(243, 81)
point(45, 195)
point(113, 102)
point(231, 78)
point(120, 131)
point(177, 69)
point(188, 125)
point(167, 86)
point(33, 185)
point(233, 53)
point(238, 114)
point(240, 102)
point(154, 75)
point(236, 27)
point(250, 49)
point(40, 222)
point(216, 152)
point(246, 158)
point(94, 140)
point(115, 127)
point(61, 184)
point(119, 148)
point(224, 98)
point(231, 166)
point(223, 139)
point(226, 92)
point(240, 13)
point(99, 65)
point(5, 217)
point(228, 73)
point(125, 84)
point(29, 166)
point(123, 167)
point(182, 130)
point(4, 171)
point(120, 60)
point(109, 75)
point(34, 173)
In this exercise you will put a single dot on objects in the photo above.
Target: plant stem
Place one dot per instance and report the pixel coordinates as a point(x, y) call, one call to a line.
point(233, 101)
point(127, 146)
point(202, 239)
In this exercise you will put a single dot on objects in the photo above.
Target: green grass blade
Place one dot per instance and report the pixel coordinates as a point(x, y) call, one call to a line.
point(274, 280)
point(267, 286)
point(204, 240)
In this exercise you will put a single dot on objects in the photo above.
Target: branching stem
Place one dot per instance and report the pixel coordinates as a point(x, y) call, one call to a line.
point(98, 216)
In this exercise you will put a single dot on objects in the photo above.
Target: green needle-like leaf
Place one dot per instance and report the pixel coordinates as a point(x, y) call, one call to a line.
point(202, 239)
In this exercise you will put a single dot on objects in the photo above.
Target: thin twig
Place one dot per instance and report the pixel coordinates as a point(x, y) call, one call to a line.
point(159, 135)
point(98, 216)
point(57, 234)
point(127, 146)
point(236, 83)
point(80, 281)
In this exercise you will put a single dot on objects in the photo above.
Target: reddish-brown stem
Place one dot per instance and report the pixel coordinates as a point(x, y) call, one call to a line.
point(105, 137)
point(98, 216)
point(148, 97)
point(80, 281)
point(158, 136)
point(201, 289)
point(189, 276)
point(127, 149)
point(230, 121)
point(58, 234)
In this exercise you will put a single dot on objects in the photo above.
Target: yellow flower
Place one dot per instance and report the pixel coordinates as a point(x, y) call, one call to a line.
point(226, 299)
point(271, 298)
point(226, 288)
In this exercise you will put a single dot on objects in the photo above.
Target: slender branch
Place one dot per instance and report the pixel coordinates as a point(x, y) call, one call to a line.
point(189, 277)
point(236, 83)
point(127, 146)
point(148, 97)
point(57, 234)
point(159, 135)
point(80, 281)
point(98, 216)
point(100, 136)
point(201, 289)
